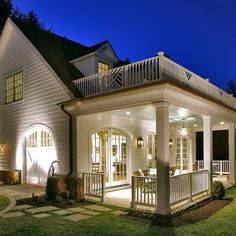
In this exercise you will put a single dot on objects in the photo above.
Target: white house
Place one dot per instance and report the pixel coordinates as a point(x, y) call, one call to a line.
point(64, 101)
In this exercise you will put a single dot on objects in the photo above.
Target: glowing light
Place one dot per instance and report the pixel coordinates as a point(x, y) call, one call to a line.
point(222, 122)
point(127, 113)
point(195, 125)
point(191, 118)
point(183, 131)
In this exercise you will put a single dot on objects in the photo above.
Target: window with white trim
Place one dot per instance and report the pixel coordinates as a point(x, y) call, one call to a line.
point(14, 87)
point(151, 150)
point(102, 67)
point(181, 161)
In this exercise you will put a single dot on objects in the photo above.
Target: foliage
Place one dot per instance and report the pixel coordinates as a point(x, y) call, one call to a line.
point(7, 10)
point(218, 190)
point(4, 202)
point(231, 87)
point(52, 188)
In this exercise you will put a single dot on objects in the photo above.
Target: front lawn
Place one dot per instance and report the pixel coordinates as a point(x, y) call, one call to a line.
point(221, 223)
point(4, 202)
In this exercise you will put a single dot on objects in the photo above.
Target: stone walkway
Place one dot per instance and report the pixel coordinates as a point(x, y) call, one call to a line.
point(16, 192)
point(73, 214)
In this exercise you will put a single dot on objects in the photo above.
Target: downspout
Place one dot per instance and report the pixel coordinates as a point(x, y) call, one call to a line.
point(70, 140)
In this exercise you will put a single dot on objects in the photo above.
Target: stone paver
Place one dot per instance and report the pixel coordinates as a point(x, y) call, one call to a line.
point(77, 209)
point(13, 214)
point(98, 208)
point(92, 213)
point(43, 215)
point(62, 212)
point(77, 217)
point(42, 209)
point(21, 207)
point(119, 213)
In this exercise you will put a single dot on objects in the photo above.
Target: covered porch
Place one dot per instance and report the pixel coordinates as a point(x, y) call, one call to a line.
point(115, 146)
point(144, 116)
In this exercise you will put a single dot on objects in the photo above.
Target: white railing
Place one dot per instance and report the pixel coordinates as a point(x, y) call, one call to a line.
point(147, 71)
point(186, 186)
point(218, 167)
point(182, 187)
point(119, 78)
point(144, 191)
point(94, 185)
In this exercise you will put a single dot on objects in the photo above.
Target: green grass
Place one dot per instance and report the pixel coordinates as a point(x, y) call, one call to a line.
point(221, 223)
point(4, 202)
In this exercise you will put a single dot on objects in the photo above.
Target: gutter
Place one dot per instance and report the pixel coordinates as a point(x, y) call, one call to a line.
point(70, 139)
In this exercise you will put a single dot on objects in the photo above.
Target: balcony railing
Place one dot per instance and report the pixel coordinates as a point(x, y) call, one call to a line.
point(148, 71)
point(218, 167)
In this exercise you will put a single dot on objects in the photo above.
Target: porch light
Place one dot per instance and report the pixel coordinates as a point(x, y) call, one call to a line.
point(140, 142)
point(183, 131)
point(171, 142)
point(222, 122)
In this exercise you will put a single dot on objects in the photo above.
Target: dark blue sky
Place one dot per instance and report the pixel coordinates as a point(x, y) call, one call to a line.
point(199, 34)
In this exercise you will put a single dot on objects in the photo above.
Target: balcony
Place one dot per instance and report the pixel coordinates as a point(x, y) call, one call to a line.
point(150, 71)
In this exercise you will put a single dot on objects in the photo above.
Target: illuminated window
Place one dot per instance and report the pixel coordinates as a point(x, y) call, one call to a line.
point(32, 140)
point(151, 150)
point(46, 139)
point(102, 67)
point(181, 161)
point(14, 87)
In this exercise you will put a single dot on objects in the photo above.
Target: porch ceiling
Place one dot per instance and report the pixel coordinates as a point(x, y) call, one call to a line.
point(177, 115)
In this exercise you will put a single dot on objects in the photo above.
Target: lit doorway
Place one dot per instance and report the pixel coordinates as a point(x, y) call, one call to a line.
point(109, 155)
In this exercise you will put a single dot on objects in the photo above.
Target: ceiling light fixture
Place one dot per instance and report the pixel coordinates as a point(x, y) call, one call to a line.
point(127, 113)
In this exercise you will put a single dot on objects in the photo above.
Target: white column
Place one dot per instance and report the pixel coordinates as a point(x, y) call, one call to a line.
point(232, 171)
point(208, 146)
point(162, 147)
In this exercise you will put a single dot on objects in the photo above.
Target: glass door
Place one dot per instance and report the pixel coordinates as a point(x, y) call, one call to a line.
point(109, 155)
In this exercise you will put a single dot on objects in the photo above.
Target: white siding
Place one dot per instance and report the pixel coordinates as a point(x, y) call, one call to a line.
point(42, 92)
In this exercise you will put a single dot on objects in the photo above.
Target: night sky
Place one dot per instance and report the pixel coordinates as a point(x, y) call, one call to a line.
point(198, 34)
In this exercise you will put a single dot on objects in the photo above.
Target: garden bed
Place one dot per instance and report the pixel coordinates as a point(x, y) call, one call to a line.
point(199, 212)
point(65, 203)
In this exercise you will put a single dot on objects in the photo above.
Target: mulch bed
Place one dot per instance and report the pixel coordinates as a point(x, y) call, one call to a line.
point(201, 212)
point(197, 213)
point(65, 203)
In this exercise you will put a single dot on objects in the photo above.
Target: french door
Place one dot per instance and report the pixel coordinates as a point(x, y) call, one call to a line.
point(109, 155)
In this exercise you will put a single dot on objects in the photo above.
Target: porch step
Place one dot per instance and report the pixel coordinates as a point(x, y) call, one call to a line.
point(116, 188)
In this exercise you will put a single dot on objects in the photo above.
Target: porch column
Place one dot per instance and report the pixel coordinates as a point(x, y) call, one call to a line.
point(208, 146)
point(232, 162)
point(162, 147)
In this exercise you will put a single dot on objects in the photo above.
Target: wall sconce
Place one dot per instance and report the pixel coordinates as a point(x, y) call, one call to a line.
point(140, 142)
point(171, 142)
point(1, 148)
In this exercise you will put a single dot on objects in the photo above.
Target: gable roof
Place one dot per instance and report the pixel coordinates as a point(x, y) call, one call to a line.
point(58, 51)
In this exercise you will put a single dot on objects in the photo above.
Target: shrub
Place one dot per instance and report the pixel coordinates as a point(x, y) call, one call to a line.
point(218, 190)
point(52, 188)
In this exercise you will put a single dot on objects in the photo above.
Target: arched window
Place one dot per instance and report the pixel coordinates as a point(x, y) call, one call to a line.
point(181, 161)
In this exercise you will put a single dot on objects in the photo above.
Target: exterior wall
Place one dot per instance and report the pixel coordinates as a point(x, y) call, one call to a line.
point(87, 65)
point(87, 125)
point(41, 93)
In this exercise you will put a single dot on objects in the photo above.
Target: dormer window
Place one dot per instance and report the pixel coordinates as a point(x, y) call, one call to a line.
point(102, 67)
point(14, 87)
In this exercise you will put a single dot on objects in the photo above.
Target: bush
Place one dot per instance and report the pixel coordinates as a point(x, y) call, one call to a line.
point(52, 188)
point(218, 190)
